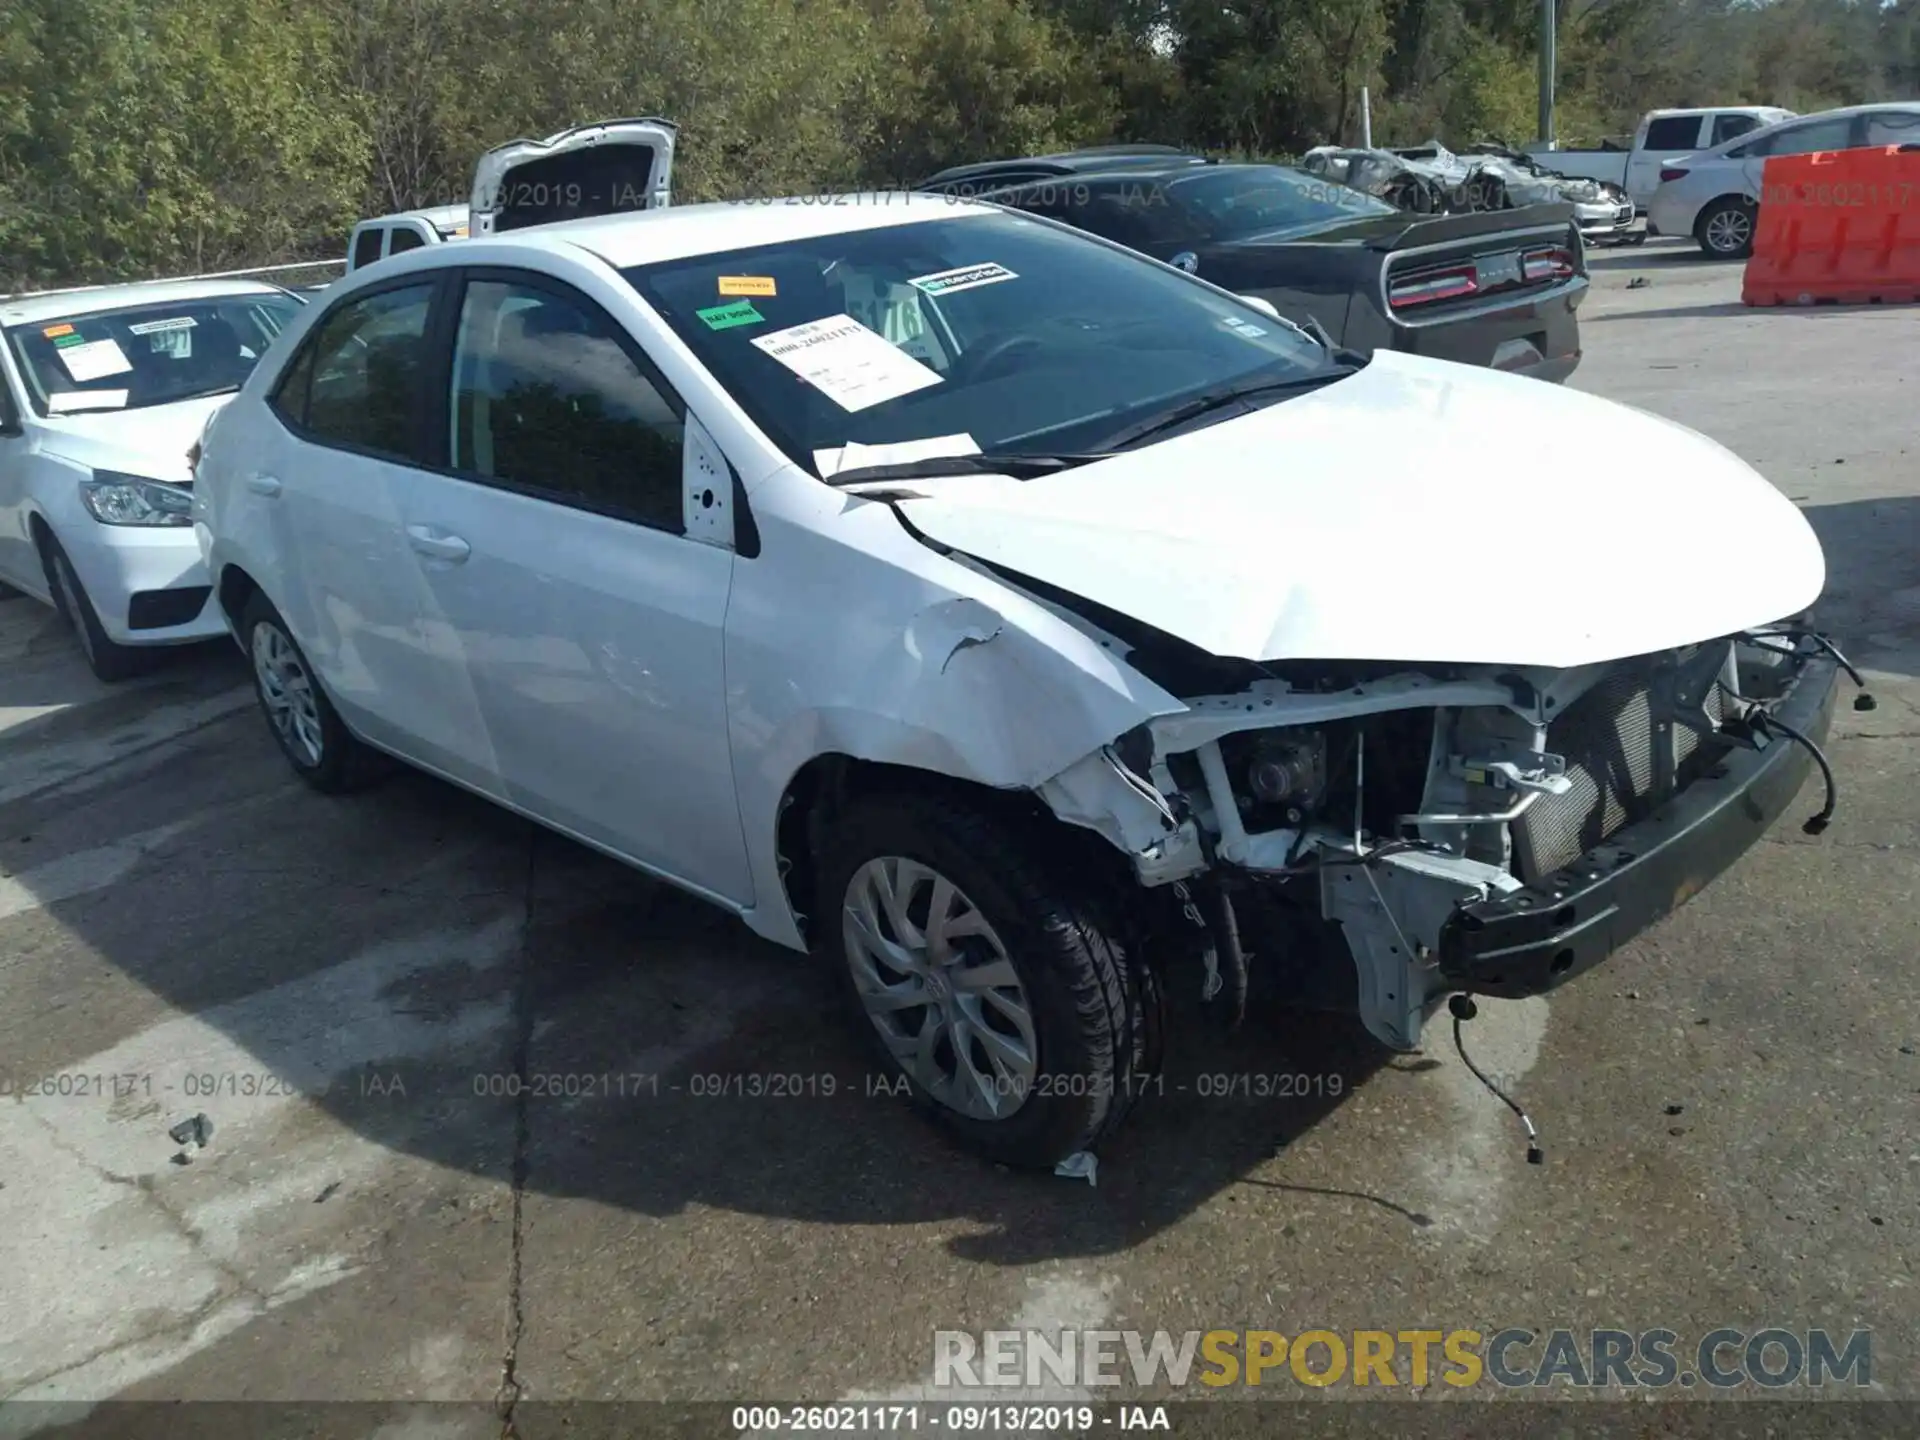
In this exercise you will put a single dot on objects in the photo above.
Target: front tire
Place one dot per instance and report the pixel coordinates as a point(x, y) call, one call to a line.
point(999, 994)
point(308, 729)
point(109, 661)
point(1725, 231)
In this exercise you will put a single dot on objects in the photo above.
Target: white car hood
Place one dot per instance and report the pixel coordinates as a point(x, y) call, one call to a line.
point(151, 441)
point(1418, 511)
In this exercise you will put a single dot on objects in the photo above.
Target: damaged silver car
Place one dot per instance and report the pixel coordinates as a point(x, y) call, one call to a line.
point(1430, 179)
point(1039, 633)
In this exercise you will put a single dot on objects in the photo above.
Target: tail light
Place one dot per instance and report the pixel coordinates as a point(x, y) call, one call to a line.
point(1429, 286)
point(1671, 172)
point(1546, 265)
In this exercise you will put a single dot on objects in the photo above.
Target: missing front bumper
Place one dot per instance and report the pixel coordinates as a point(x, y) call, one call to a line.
point(1532, 940)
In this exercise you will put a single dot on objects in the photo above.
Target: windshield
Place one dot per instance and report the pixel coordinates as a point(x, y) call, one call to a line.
point(1234, 204)
point(986, 331)
point(138, 356)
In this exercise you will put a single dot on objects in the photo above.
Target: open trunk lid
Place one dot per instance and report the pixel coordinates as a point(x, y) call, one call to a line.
point(606, 168)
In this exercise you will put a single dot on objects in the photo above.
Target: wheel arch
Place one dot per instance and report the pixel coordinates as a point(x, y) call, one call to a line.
point(826, 785)
point(233, 590)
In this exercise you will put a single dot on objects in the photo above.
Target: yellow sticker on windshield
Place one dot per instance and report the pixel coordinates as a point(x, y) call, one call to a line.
point(54, 332)
point(747, 285)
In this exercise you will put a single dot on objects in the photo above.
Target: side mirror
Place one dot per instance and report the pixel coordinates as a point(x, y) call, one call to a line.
point(1265, 307)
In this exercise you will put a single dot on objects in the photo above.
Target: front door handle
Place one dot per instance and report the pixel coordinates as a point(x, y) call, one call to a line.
point(263, 485)
point(436, 546)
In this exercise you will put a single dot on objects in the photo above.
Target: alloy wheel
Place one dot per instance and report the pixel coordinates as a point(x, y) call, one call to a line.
point(287, 690)
point(1729, 230)
point(938, 985)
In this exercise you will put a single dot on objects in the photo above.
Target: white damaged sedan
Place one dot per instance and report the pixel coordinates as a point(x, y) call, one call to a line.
point(1033, 629)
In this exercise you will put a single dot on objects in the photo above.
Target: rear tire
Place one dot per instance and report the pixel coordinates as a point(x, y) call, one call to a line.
point(1725, 230)
point(1044, 1030)
point(110, 662)
point(309, 731)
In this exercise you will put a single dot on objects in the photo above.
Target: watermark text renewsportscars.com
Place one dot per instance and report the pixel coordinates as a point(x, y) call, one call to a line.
point(1767, 1357)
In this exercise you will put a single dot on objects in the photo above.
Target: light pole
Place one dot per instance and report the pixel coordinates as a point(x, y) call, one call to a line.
point(1546, 73)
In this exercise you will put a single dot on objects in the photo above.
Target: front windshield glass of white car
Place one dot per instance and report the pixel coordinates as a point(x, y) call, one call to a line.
point(983, 330)
point(136, 356)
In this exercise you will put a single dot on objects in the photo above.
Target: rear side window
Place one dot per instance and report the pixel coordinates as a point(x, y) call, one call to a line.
point(1894, 127)
point(366, 246)
point(1726, 127)
point(356, 383)
point(1674, 132)
point(1833, 134)
point(547, 398)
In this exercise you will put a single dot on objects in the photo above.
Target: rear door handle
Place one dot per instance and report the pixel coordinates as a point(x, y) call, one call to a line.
point(263, 485)
point(436, 546)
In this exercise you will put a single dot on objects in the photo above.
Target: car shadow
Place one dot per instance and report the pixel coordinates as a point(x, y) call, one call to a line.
point(647, 1051)
point(1820, 311)
point(1653, 255)
point(609, 1039)
point(41, 666)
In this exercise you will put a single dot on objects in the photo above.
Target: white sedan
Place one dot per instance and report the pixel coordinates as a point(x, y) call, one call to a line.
point(102, 394)
point(1031, 627)
point(1713, 197)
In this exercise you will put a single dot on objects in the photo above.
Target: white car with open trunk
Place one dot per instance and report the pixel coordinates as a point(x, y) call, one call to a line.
point(1031, 627)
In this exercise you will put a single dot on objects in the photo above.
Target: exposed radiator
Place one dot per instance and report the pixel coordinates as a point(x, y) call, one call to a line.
point(1607, 739)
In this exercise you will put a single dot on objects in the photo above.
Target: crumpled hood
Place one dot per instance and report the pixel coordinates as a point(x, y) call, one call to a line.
point(152, 441)
point(1419, 511)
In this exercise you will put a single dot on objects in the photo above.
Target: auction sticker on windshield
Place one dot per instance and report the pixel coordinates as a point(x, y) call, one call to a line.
point(157, 327)
point(762, 285)
point(725, 317)
point(94, 360)
point(845, 361)
point(966, 277)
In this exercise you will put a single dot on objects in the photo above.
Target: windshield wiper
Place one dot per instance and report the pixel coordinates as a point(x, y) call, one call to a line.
point(1020, 465)
point(1219, 399)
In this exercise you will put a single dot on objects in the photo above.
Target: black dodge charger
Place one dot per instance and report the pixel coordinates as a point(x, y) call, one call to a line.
point(1499, 288)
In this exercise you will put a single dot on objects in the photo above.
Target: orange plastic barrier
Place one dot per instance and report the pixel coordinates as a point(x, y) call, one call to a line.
point(1837, 227)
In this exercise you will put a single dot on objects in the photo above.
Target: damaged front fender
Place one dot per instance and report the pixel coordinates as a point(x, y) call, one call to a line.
point(979, 682)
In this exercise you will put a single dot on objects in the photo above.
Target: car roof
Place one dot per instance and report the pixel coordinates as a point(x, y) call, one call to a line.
point(1894, 107)
point(441, 217)
point(1170, 174)
point(1685, 110)
point(686, 232)
point(1071, 162)
point(53, 304)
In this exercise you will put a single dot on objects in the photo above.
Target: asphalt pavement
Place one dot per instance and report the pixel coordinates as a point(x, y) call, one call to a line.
point(496, 1121)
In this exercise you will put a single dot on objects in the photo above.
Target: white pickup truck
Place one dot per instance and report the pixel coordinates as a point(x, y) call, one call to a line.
point(599, 169)
point(1661, 135)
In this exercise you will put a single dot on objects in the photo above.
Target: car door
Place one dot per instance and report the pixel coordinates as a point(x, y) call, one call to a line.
point(553, 546)
point(334, 477)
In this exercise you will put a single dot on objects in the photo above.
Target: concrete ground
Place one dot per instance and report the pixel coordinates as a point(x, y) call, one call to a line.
point(351, 990)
